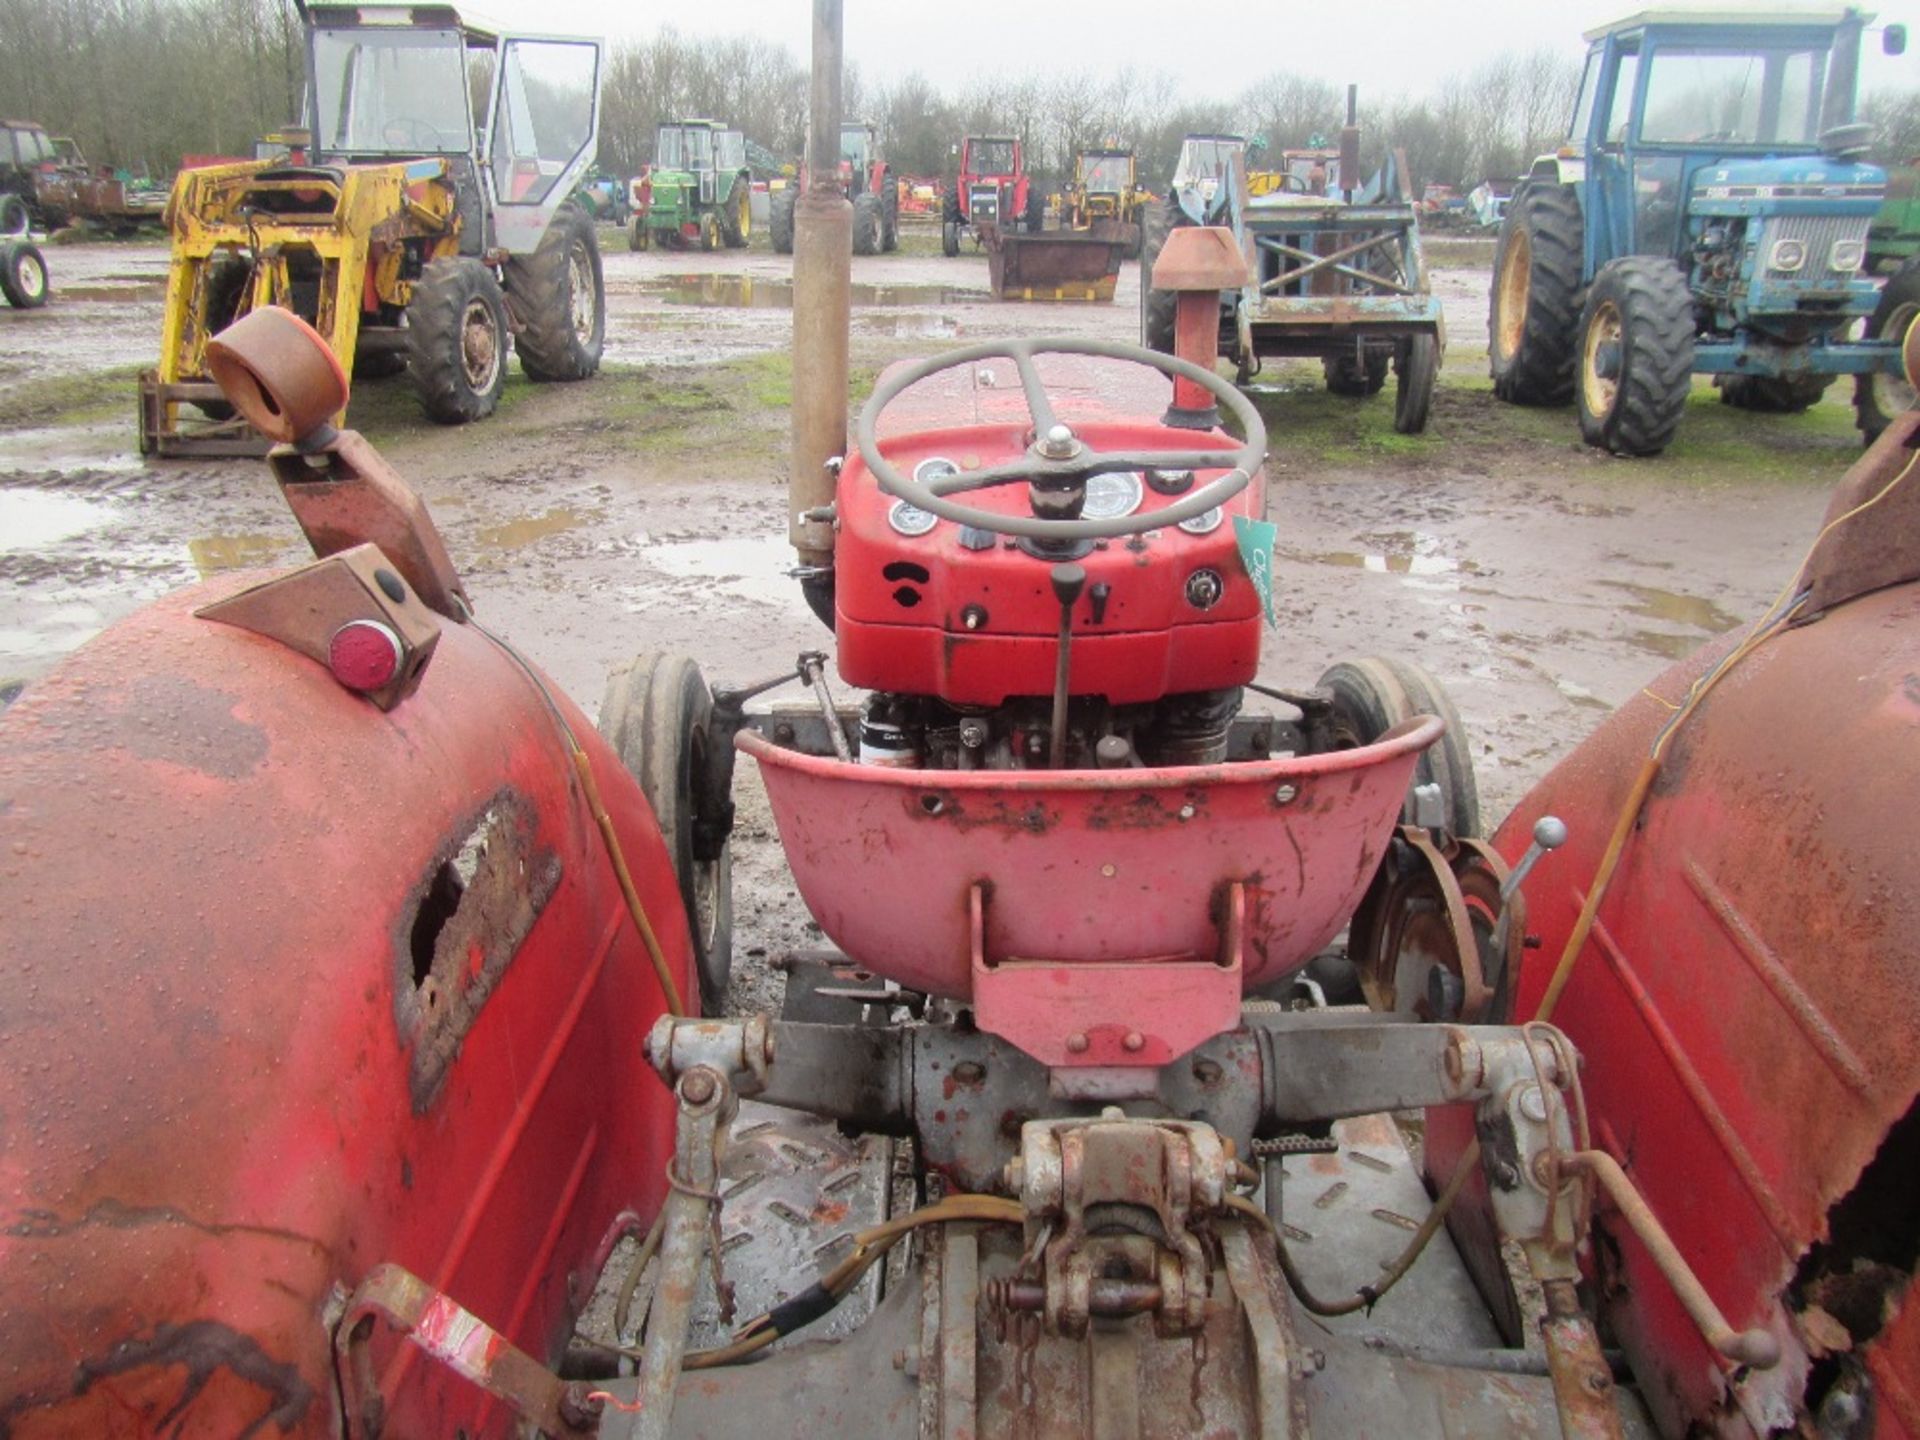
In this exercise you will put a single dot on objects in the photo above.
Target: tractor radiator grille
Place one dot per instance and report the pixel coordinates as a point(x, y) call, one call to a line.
point(1819, 233)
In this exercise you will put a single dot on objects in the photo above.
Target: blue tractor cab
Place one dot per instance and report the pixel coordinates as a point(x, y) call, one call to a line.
point(1707, 214)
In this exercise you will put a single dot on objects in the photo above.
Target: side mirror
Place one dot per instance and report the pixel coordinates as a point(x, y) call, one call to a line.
point(1893, 40)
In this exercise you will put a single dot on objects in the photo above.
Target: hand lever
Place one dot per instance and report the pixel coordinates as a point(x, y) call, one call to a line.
point(1068, 582)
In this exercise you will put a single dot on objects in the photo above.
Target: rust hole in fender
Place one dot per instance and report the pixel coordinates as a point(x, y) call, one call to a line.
point(471, 909)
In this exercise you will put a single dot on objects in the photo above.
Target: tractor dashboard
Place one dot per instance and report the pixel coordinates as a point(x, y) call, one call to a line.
point(928, 606)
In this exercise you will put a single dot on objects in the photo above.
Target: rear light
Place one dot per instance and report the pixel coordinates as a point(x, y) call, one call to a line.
point(365, 655)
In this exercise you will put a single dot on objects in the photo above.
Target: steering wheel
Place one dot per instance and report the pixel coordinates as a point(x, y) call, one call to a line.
point(412, 133)
point(1057, 458)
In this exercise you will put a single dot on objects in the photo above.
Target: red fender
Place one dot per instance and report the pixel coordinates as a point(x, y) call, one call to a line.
point(228, 1093)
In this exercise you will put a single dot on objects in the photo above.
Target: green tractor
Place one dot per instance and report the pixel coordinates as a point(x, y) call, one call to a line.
point(696, 192)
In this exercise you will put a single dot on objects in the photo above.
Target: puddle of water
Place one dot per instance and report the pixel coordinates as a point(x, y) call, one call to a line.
point(907, 327)
point(1579, 694)
point(749, 292)
point(108, 447)
point(147, 289)
point(530, 530)
point(1676, 608)
point(1407, 553)
point(751, 569)
point(35, 519)
point(214, 553)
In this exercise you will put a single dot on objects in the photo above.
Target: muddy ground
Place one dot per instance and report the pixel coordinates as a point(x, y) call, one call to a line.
point(1541, 581)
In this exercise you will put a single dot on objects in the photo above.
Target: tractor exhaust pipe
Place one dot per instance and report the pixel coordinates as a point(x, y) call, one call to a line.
point(822, 308)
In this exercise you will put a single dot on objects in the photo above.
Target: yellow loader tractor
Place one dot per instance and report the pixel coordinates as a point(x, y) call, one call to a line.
point(427, 228)
point(1104, 195)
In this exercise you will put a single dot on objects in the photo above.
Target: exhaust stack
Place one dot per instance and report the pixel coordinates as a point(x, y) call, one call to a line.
point(822, 304)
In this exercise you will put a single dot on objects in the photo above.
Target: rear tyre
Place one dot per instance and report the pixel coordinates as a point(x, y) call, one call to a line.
point(1157, 306)
point(950, 238)
point(1773, 395)
point(736, 221)
point(1036, 208)
point(638, 236)
point(23, 275)
point(1347, 375)
point(1417, 363)
point(1636, 355)
point(558, 296)
point(866, 225)
point(1534, 311)
point(889, 213)
point(457, 340)
point(1373, 695)
point(780, 219)
point(656, 714)
point(1878, 398)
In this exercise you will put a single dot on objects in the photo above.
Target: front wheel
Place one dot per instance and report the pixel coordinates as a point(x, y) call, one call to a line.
point(1157, 306)
point(457, 340)
point(639, 237)
point(558, 297)
point(15, 219)
point(657, 715)
point(780, 219)
point(23, 275)
point(1371, 696)
point(1878, 397)
point(736, 224)
point(1636, 356)
point(950, 238)
point(1773, 395)
point(866, 225)
point(709, 232)
point(1417, 363)
point(889, 213)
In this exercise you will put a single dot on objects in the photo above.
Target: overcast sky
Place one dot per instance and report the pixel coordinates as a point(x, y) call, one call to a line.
point(1393, 46)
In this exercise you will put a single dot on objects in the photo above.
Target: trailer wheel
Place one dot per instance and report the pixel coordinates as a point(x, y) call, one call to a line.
point(866, 225)
point(639, 237)
point(1347, 375)
point(1417, 362)
point(656, 714)
point(1157, 306)
point(23, 275)
point(1772, 395)
point(457, 340)
point(1877, 398)
point(1373, 695)
point(1636, 355)
point(1533, 316)
point(558, 297)
point(736, 221)
point(780, 218)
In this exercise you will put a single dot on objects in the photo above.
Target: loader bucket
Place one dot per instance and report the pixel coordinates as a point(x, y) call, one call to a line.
point(1058, 265)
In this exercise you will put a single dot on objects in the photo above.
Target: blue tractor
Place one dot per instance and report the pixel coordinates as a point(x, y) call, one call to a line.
point(1707, 214)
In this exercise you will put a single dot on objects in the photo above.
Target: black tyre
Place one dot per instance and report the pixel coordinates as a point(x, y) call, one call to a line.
point(866, 225)
point(1036, 207)
point(1373, 695)
point(1348, 375)
point(889, 213)
point(1773, 395)
point(736, 216)
point(15, 219)
point(1157, 306)
point(457, 340)
point(950, 238)
point(1636, 355)
point(709, 228)
point(656, 713)
point(1417, 364)
point(558, 298)
point(1533, 316)
point(780, 218)
point(639, 237)
point(1878, 398)
point(224, 286)
point(370, 364)
point(23, 274)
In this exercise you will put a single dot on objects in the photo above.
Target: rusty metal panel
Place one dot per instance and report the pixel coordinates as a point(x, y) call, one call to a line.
point(227, 881)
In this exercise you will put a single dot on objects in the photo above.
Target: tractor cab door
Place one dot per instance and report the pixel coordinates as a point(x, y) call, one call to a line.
point(545, 129)
point(730, 158)
point(700, 149)
point(1610, 195)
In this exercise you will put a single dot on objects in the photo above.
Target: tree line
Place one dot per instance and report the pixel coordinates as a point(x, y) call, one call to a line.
point(142, 83)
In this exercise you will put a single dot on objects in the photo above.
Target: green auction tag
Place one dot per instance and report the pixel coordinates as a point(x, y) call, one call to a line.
point(1256, 553)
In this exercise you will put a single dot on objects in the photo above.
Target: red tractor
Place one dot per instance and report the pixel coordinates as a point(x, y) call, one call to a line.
point(992, 191)
point(353, 986)
point(866, 179)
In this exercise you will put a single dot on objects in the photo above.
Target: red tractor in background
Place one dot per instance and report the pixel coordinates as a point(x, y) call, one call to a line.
point(869, 183)
point(992, 191)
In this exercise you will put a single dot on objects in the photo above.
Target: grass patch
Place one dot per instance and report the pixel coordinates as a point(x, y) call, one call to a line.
point(86, 399)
